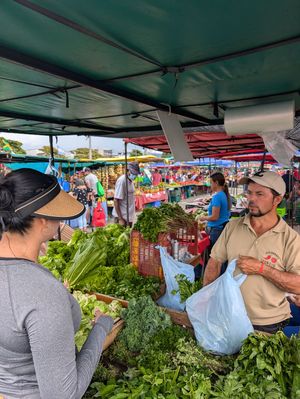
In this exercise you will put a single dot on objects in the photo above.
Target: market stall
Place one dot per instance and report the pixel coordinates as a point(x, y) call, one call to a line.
point(106, 70)
point(150, 199)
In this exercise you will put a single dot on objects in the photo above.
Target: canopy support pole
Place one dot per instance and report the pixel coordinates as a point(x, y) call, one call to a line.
point(126, 182)
point(291, 212)
point(52, 164)
point(236, 179)
point(262, 165)
point(51, 150)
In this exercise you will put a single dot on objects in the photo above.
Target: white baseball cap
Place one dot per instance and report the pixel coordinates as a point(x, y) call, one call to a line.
point(267, 179)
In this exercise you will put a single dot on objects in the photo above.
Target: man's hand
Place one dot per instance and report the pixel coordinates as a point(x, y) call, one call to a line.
point(295, 299)
point(122, 222)
point(248, 264)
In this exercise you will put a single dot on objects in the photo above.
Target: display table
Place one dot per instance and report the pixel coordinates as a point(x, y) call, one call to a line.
point(142, 199)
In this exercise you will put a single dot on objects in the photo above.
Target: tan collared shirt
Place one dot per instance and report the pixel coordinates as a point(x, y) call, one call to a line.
point(279, 248)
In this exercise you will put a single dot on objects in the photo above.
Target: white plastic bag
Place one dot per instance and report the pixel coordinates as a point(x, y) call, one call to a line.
point(171, 268)
point(218, 314)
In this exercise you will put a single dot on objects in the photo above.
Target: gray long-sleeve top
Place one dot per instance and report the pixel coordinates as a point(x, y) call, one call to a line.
point(38, 318)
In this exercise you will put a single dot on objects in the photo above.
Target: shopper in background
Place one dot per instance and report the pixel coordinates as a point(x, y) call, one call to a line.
point(156, 178)
point(84, 195)
point(91, 180)
point(219, 207)
point(124, 196)
point(39, 317)
point(266, 249)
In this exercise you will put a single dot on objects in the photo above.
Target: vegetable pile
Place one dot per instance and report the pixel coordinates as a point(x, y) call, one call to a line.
point(167, 218)
point(123, 282)
point(153, 359)
point(186, 288)
point(88, 305)
point(99, 262)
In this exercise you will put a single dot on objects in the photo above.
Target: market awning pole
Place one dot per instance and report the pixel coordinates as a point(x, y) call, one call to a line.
point(290, 213)
point(236, 181)
point(126, 181)
point(51, 151)
point(262, 165)
point(52, 164)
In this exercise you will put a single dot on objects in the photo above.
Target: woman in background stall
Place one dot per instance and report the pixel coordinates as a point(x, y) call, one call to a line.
point(219, 207)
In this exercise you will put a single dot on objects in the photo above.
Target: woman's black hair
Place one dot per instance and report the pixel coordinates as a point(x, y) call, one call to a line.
point(219, 178)
point(15, 188)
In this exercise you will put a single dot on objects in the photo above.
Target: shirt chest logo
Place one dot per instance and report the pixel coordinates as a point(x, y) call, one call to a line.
point(271, 259)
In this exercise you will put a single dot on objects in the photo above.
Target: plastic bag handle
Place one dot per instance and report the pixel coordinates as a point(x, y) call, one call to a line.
point(240, 278)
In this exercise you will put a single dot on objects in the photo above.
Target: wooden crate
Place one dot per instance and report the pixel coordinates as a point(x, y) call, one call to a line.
point(118, 324)
point(66, 232)
point(177, 317)
point(180, 318)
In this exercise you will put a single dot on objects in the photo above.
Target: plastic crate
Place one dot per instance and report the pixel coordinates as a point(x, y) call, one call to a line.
point(146, 258)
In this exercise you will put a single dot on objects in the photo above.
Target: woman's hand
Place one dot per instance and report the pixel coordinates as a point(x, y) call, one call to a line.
point(98, 314)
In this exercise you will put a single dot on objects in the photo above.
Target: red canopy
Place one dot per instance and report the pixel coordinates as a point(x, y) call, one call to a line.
point(208, 144)
point(252, 157)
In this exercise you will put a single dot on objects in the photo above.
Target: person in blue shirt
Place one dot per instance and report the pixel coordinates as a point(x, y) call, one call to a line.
point(219, 207)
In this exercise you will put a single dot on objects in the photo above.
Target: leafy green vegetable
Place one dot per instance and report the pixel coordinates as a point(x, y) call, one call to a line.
point(123, 282)
point(150, 223)
point(142, 320)
point(186, 288)
point(90, 254)
point(58, 256)
point(77, 260)
point(172, 365)
point(295, 343)
point(168, 217)
point(264, 368)
point(88, 305)
point(118, 245)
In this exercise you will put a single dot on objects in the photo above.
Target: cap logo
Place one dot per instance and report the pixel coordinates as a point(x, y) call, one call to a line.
point(259, 174)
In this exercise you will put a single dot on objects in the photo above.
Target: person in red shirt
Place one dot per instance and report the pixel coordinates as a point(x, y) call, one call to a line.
point(156, 178)
point(296, 174)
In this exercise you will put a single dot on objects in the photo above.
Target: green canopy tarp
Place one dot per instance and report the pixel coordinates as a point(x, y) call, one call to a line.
point(103, 67)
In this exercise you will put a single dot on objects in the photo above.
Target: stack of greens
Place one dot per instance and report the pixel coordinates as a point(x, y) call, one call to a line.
point(99, 262)
point(88, 305)
point(123, 282)
point(167, 218)
point(153, 359)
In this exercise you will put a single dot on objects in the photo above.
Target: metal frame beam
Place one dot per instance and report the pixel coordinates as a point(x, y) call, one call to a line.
point(52, 69)
point(55, 121)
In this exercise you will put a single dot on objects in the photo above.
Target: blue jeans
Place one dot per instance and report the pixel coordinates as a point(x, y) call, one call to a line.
point(82, 222)
point(214, 234)
point(294, 327)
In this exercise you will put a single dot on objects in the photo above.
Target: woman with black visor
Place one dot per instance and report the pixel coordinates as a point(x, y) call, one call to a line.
point(39, 317)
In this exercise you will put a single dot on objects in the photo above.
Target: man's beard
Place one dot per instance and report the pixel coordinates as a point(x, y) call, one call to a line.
point(259, 213)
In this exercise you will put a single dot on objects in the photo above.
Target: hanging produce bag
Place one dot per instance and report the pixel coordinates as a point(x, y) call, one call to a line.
point(172, 268)
point(99, 216)
point(218, 314)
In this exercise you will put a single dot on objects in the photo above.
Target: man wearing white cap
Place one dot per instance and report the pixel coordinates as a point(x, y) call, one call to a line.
point(266, 249)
